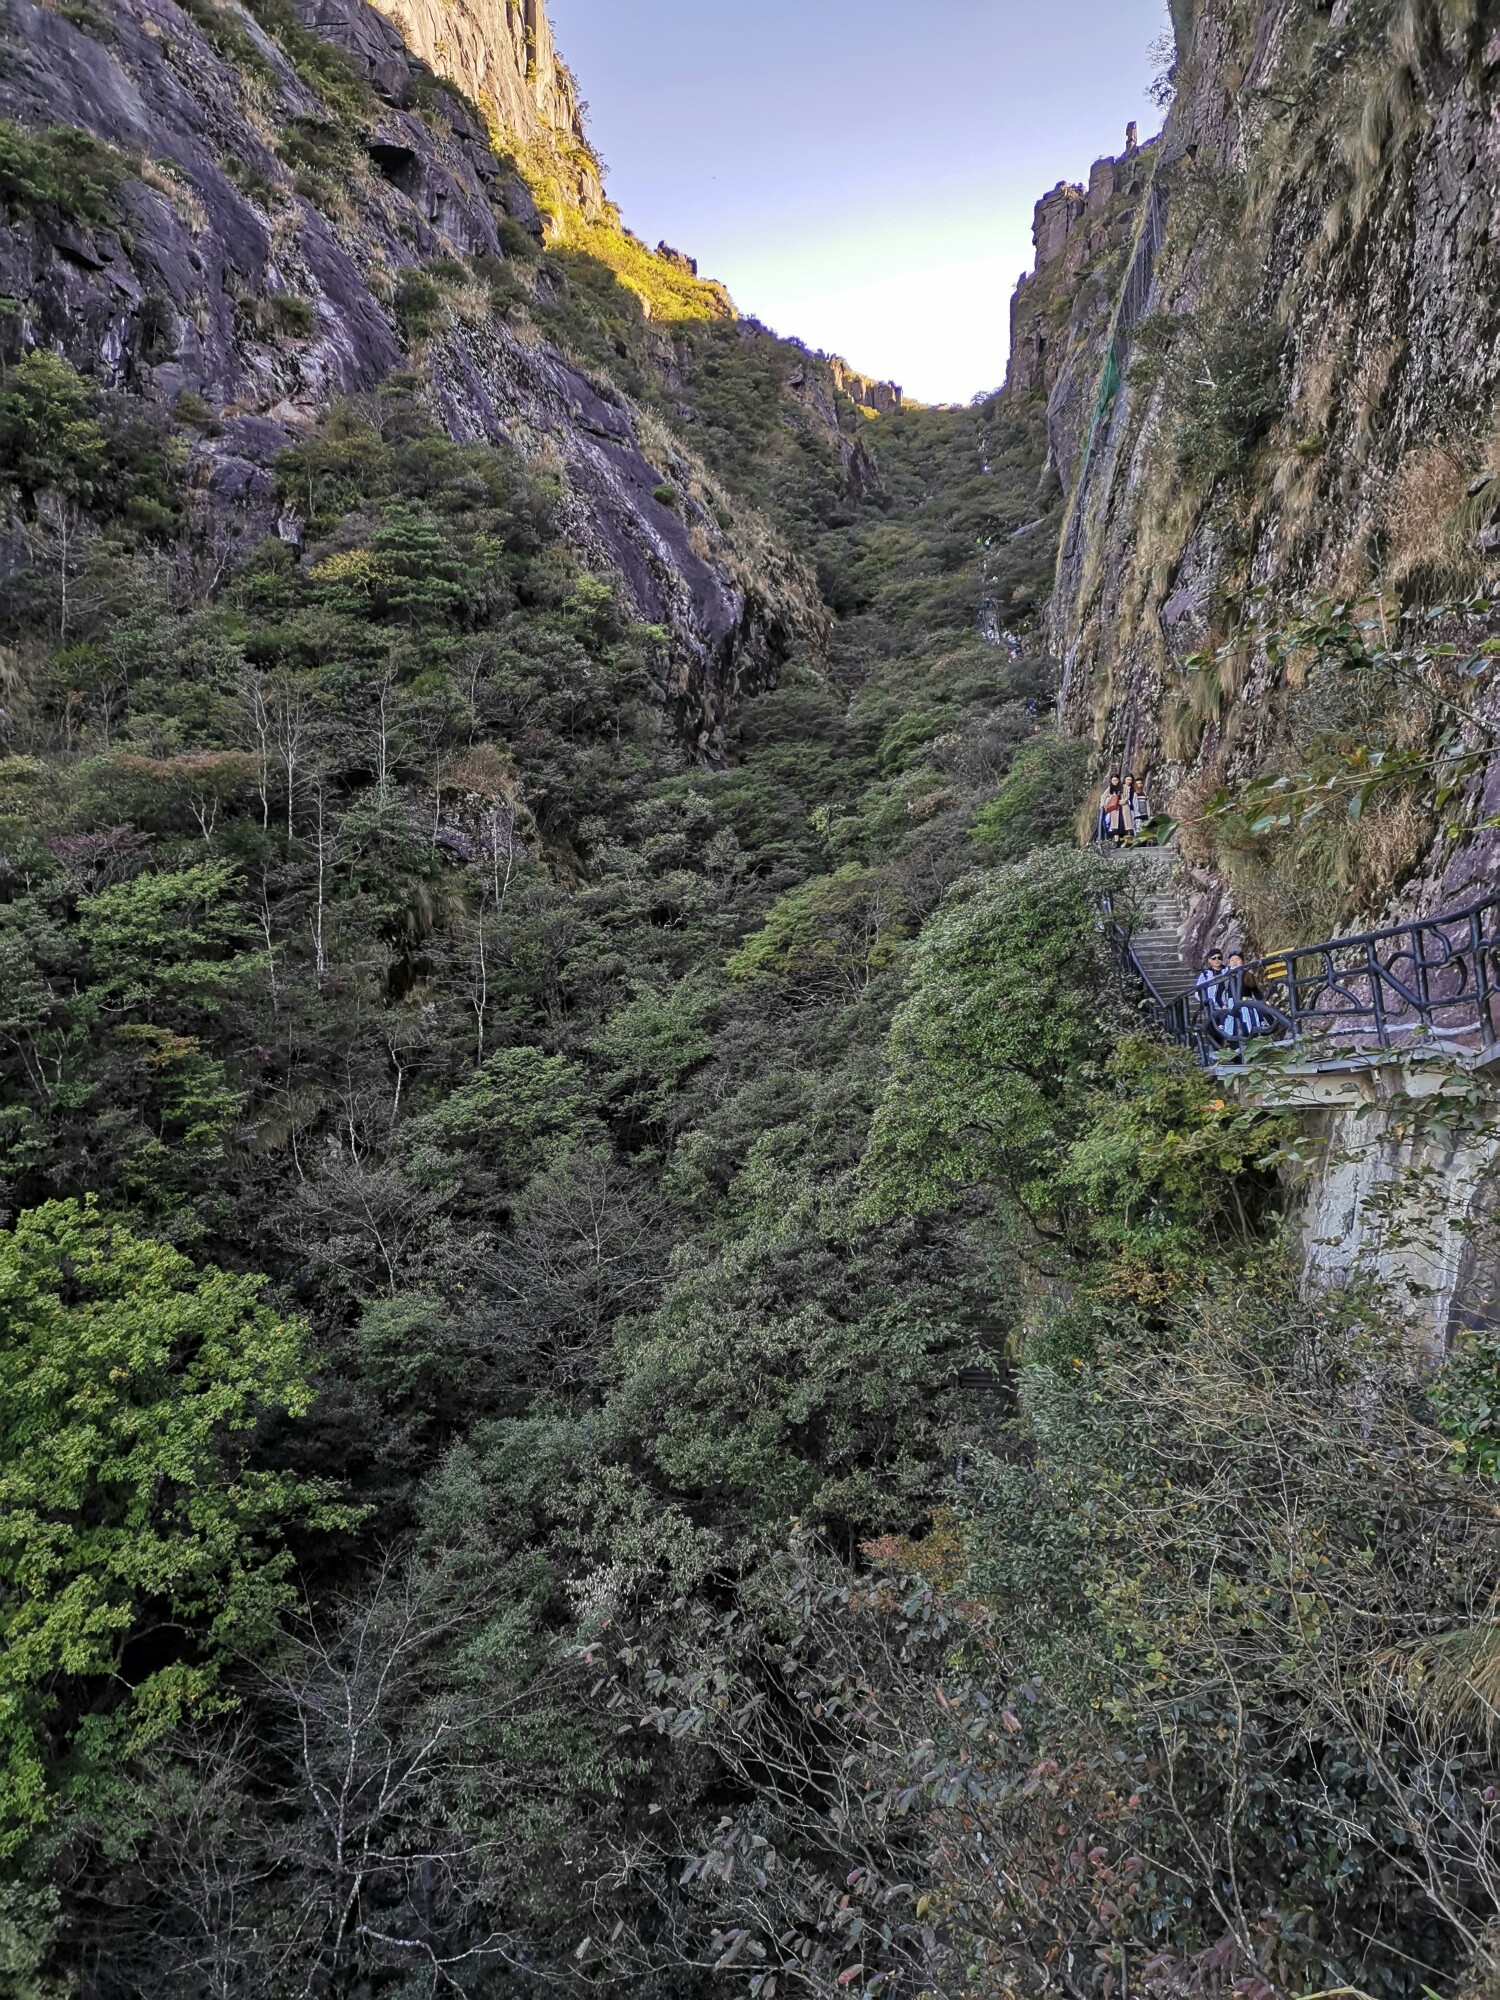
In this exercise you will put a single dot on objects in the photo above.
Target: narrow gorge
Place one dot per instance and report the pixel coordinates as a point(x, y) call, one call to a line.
point(657, 1335)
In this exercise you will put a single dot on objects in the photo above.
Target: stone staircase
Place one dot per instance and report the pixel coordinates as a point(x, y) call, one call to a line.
point(1151, 909)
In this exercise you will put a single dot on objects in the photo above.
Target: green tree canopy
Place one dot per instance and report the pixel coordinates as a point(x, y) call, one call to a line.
point(50, 434)
point(129, 1385)
point(1009, 1003)
point(837, 931)
point(168, 939)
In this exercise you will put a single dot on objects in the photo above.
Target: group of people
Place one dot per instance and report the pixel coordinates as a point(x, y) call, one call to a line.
point(1232, 999)
point(1124, 810)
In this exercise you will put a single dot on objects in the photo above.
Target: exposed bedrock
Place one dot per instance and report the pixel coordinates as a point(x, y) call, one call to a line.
point(1270, 348)
point(228, 277)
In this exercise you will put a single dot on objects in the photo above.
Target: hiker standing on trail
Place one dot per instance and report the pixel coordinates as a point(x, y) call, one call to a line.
point(1114, 814)
point(1212, 988)
point(1138, 805)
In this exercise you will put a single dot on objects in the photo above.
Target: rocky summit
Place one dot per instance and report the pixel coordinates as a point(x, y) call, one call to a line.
point(749, 1141)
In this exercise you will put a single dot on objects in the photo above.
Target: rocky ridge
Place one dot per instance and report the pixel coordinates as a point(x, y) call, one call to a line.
point(302, 204)
point(501, 54)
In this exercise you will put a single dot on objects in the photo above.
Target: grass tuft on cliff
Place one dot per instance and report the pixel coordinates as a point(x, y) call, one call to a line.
point(60, 173)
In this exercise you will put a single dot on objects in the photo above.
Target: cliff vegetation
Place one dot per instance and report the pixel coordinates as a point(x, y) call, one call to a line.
point(621, 1369)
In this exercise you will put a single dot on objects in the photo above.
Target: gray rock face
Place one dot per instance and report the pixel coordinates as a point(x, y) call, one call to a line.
point(490, 384)
point(267, 296)
point(1057, 215)
point(501, 54)
point(884, 398)
point(1373, 265)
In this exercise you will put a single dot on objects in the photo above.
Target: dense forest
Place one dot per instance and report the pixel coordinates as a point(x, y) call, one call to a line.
point(624, 1370)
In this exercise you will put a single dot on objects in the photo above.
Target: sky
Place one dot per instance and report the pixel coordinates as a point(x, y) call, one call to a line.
point(861, 173)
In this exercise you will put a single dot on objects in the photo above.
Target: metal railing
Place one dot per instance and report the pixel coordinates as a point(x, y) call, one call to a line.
point(1431, 984)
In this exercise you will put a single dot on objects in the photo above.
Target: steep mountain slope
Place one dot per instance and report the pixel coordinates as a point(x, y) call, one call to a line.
point(481, 724)
point(266, 217)
point(621, 1372)
point(1291, 391)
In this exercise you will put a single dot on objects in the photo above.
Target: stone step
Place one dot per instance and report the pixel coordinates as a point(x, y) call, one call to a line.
point(1152, 908)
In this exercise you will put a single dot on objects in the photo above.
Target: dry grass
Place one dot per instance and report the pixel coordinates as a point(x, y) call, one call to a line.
point(1431, 518)
point(1315, 881)
point(483, 772)
point(179, 191)
point(1188, 806)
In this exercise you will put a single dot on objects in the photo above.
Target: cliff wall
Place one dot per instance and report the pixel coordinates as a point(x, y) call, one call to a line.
point(501, 55)
point(1272, 383)
point(883, 398)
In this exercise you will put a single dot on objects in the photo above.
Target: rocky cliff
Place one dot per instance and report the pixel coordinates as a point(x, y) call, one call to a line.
point(258, 212)
point(1272, 373)
point(501, 55)
point(883, 398)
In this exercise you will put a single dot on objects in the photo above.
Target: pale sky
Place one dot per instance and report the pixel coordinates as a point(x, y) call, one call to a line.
point(861, 173)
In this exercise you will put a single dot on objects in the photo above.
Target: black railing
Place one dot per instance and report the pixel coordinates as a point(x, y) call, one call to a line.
point(1430, 984)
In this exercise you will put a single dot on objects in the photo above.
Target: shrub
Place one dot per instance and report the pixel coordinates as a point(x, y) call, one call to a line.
point(419, 305)
point(318, 146)
point(515, 241)
point(1038, 799)
point(249, 180)
point(1009, 1005)
point(292, 316)
point(190, 408)
point(837, 932)
point(62, 172)
point(284, 315)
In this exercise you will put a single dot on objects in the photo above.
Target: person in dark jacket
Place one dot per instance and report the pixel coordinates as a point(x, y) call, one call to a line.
point(1244, 1017)
point(1137, 806)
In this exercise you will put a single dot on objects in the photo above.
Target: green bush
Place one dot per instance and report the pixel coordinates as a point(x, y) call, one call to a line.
point(419, 305)
point(1010, 1001)
point(1038, 799)
point(1466, 1398)
point(292, 316)
point(516, 241)
point(319, 146)
point(836, 933)
point(190, 408)
point(61, 171)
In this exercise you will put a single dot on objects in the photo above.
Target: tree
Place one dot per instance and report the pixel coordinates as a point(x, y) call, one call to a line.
point(167, 942)
point(1038, 798)
point(137, 1546)
point(838, 931)
point(409, 572)
point(51, 439)
point(1009, 1003)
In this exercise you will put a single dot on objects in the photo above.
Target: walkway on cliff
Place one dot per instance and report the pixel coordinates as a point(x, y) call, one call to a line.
point(1431, 985)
